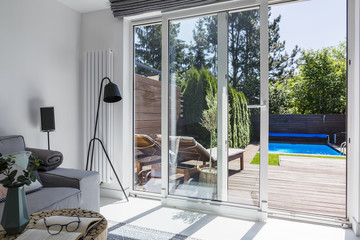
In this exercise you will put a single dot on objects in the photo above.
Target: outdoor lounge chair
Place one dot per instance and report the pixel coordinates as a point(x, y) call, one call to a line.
point(148, 152)
point(189, 148)
point(186, 149)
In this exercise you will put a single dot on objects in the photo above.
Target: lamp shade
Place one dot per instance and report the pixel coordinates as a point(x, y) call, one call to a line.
point(47, 119)
point(111, 93)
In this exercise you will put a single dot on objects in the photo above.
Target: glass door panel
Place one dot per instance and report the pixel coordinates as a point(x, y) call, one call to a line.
point(244, 101)
point(193, 107)
point(147, 108)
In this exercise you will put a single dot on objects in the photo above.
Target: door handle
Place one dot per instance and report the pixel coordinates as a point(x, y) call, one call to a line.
point(257, 106)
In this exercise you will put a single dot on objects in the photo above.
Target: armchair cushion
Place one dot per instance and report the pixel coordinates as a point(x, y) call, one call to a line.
point(11, 144)
point(87, 181)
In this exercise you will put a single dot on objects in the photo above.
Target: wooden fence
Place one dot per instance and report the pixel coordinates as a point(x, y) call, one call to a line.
point(147, 99)
point(329, 124)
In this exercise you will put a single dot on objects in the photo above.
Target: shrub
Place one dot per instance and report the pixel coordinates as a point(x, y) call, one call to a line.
point(197, 85)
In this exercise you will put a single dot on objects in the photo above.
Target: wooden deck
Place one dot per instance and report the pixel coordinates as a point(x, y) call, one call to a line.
point(300, 184)
point(304, 185)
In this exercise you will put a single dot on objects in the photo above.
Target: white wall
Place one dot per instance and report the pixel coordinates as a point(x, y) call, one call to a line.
point(39, 66)
point(100, 30)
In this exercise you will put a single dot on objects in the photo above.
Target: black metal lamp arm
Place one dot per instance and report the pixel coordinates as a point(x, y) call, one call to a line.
point(96, 123)
point(91, 143)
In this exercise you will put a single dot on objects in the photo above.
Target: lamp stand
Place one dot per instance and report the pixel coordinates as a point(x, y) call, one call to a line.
point(108, 158)
point(48, 135)
point(91, 143)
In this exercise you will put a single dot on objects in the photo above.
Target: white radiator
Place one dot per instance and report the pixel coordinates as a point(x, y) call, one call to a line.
point(99, 64)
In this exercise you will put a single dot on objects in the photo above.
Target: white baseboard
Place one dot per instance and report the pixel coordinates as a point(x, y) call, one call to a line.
point(355, 226)
point(112, 193)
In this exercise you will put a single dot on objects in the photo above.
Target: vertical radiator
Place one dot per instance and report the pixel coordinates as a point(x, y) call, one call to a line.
point(99, 64)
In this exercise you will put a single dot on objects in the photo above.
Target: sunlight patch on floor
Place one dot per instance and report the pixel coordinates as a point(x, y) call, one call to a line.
point(150, 214)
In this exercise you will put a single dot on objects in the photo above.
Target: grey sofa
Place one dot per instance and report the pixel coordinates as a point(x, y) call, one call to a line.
point(62, 187)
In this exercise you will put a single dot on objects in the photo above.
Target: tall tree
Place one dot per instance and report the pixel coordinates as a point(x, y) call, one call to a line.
point(148, 48)
point(211, 26)
point(281, 64)
point(200, 47)
point(244, 51)
point(177, 55)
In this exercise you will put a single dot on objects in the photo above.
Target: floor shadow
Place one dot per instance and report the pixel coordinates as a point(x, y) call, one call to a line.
point(253, 231)
point(143, 214)
point(196, 226)
point(197, 221)
point(233, 172)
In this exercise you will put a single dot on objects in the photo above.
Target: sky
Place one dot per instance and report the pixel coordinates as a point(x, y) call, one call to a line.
point(311, 24)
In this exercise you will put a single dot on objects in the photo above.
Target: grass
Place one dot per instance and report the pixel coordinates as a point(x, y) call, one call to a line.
point(274, 158)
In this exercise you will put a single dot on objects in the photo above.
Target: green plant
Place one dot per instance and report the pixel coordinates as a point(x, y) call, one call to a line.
point(239, 120)
point(197, 85)
point(320, 86)
point(11, 181)
point(209, 119)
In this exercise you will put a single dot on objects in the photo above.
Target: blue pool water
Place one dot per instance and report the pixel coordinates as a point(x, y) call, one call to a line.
point(303, 149)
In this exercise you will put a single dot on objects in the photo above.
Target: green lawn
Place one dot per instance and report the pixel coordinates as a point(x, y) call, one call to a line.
point(274, 158)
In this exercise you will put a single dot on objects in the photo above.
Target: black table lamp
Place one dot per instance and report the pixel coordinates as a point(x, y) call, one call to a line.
point(47, 121)
point(111, 95)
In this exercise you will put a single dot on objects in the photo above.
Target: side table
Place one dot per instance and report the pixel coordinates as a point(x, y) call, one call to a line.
point(98, 233)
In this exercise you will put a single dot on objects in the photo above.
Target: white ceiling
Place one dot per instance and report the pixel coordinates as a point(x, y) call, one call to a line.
point(84, 6)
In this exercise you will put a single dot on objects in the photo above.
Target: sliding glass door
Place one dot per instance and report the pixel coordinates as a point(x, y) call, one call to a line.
point(200, 107)
point(216, 112)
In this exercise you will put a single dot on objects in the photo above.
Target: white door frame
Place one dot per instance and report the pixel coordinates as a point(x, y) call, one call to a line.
point(264, 102)
point(130, 23)
point(222, 103)
point(353, 118)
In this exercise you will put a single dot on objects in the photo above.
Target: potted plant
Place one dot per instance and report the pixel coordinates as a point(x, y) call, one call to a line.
point(208, 174)
point(15, 214)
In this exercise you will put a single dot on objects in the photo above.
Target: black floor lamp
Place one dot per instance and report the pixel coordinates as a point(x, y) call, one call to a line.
point(111, 95)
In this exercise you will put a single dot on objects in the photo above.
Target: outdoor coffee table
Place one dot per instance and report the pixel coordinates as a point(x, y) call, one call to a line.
point(98, 233)
point(233, 154)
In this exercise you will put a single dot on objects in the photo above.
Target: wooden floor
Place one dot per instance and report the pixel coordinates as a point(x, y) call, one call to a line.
point(300, 184)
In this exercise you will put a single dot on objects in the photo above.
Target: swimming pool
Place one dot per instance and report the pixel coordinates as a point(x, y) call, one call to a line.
point(303, 149)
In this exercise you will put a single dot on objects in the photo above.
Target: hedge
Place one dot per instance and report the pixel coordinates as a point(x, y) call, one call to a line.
point(196, 85)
